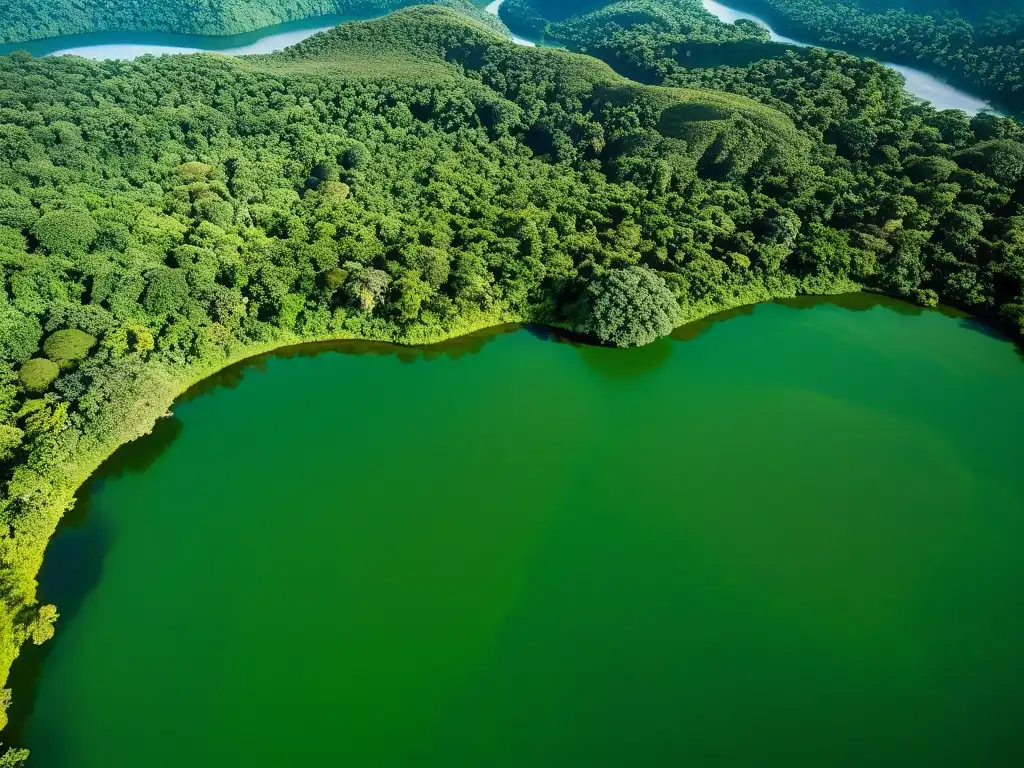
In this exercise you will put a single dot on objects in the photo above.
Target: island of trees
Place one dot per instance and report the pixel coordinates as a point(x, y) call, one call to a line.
point(419, 176)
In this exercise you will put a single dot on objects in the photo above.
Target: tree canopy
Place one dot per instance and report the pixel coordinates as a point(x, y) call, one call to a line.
point(68, 346)
point(629, 307)
point(30, 20)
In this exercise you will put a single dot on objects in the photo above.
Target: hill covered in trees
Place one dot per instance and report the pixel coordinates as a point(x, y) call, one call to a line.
point(31, 20)
point(419, 176)
point(976, 43)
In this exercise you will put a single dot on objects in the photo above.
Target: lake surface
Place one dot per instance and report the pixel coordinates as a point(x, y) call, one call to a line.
point(941, 94)
point(792, 537)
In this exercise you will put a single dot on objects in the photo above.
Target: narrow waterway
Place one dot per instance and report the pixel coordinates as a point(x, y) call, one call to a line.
point(941, 94)
point(493, 8)
point(130, 45)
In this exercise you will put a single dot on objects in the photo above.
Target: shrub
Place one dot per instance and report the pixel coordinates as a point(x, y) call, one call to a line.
point(37, 374)
point(334, 278)
point(10, 439)
point(68, 346)
point(19, 334)
point(65, 232)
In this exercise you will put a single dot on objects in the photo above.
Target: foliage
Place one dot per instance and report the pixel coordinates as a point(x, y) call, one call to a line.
point(41, 627)
point(10, 439)
point(37, 374)
point(13, 758)
point(63, 232)
point(68, 346)
point(629, 307)
point(30, 20)
point(365, 285)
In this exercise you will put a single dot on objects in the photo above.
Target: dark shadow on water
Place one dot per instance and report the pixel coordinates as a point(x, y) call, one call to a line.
point(559, 335)
point(452, 349)
point(72, 569)
point(138, 455)
point(616, 363)
point(986, 329)
point(607, 361)
point(626, 364)
point(861, 302)
point(696, 329)
point(73, 565)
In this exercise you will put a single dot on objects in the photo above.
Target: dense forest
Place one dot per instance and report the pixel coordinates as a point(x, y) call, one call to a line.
point(32, 19)
point(976, 43)
point(418, 176)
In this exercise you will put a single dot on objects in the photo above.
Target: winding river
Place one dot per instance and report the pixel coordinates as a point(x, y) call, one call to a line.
point(493, 8)
point(941, 94)
point(128, 45)
point(790, 536)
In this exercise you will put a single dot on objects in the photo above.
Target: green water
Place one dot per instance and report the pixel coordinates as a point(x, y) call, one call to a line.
point(791, 538)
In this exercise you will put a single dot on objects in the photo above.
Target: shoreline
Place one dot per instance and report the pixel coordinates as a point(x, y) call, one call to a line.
point(86, 465)
point(905, 65)
point(194, 383)
point(126, 45)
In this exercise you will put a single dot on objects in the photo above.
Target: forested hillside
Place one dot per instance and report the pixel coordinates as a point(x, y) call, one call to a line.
point(977, 44)
point(417, 176)
point(872, 140)
point(32, 19)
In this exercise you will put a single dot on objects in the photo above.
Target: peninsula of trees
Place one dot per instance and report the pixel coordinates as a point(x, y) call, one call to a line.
point(418, 176)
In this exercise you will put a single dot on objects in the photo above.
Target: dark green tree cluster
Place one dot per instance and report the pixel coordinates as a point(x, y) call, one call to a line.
point(975, 45)
point(631, 25)
point(630, 307)
point(902, 177)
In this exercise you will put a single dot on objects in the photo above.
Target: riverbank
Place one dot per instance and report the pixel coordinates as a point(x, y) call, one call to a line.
point(941, 88)
point(493, 8)
point(124, 44)
point(100, 46)
point(130, 45)
point(218, 24)
point(273, 265)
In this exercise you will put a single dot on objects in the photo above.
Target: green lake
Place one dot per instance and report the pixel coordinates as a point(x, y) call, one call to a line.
point(789, 537)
